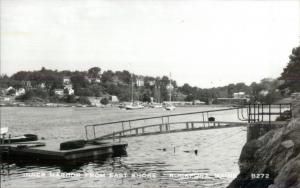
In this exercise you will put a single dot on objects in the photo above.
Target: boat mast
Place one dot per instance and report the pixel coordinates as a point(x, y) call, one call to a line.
point(131, 88)
point(170, 87)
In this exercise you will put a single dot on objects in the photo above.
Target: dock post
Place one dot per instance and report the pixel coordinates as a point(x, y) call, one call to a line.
point(136, 131)
point(203, 119)
point(86, 134)
point(192, 125)
point(262, 108)
point(160, 128)
point(94, 132)
point(114, 136)
point(269, 114)
point(187, 125)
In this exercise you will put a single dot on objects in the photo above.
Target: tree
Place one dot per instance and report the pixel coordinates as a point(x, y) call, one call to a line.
point(84, 100)
point(107, 76)
point(94, 72)
point(291, 73)
point(146, 98)
point(11, 92)
point(104, 101)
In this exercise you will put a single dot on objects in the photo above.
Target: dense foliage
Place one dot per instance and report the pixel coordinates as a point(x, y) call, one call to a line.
point(291, 73)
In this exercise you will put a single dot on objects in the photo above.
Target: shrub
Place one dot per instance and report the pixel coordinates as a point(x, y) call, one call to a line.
point(104, 101)
point(84, 100)
point(34, 93)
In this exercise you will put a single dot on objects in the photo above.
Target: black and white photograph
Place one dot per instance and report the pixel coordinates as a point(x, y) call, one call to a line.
point(150, 93)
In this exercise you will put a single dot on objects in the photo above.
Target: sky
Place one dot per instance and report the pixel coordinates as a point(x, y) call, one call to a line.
point(203, 43)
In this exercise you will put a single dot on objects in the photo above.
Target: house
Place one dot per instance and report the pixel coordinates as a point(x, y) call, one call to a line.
point(151, 82)
point(69, 89)
point(95, 101)
point(26, 84)
point(42, 85)
point(59, 92)
point(66, 80)
point(198, 102)
point(96, 80)
point(264, 93)
point(9, 88)
point(139, 82)
point(20, 91)
point(114, 98)
point(239, 95)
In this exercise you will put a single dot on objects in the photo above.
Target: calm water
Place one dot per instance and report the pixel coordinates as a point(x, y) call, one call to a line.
point(153, 161)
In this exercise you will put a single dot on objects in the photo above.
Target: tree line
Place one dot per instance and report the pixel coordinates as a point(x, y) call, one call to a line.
point(95, 83)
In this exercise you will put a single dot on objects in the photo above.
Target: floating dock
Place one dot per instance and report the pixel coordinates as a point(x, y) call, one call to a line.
point(51, 151)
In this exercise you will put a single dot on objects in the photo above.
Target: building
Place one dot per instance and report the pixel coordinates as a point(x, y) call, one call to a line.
point(66, 80)
point(151, 82)
point(59, 92)
point(198, 102)
point(114, 98)
point(69, 89)
point(264, 93)
point(20, 91)
point(26, 84)
point(139, 82)
point(42, 85)
point(239, 95)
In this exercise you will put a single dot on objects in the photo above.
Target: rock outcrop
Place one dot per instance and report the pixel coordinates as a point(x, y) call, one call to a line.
point(273, 160)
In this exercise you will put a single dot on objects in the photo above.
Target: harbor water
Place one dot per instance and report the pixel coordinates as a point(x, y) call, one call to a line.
point(205, 158)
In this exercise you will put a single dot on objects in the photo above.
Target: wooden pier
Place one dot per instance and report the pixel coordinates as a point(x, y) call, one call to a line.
point(246, 115)
point(170, 128)
point(51, 151)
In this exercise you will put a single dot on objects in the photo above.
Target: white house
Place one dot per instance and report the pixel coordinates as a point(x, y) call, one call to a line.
point(42, 85)
point(20, 91)
point(114, 98)
point(139, 82)
point(59, 92)
point(66, 80)
point(151, 82)
point(69, 88)
point(9, 88)
point(239, 95)
point(264, 92)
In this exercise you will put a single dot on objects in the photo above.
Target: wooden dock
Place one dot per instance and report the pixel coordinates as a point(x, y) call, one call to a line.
point(51, 151)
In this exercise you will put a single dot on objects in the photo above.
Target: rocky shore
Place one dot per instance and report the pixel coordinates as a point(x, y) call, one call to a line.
point(273, 160)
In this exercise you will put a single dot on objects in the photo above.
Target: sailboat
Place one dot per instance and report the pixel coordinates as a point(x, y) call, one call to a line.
point(170, 106)
point(133, 105)
point(157, 104)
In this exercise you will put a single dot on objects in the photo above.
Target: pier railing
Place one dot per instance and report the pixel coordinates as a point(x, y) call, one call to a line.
point(248, 114)
point(268, 112)
point(92, 131)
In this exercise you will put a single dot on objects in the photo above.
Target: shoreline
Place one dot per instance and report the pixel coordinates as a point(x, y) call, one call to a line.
point(70, 105)
point(273, 159)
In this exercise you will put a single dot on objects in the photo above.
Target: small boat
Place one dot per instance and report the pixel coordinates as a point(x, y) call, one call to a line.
point(156, 105)
point(170, 107)
point(134, 106)
point(23, 138)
